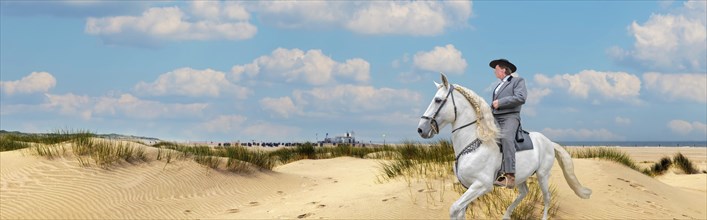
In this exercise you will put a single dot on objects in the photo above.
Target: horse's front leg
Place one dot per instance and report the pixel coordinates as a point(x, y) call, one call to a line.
point(477, 188)
point(523, 189)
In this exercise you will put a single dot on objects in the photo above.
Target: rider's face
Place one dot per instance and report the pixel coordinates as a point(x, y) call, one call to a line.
point(500, 72)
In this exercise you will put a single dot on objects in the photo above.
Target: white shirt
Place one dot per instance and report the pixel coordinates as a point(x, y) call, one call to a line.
point(500, 84)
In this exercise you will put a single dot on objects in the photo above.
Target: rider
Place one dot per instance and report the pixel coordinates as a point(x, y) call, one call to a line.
point(508, 97)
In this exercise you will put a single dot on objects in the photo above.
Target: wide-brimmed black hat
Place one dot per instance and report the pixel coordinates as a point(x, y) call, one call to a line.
point(503, 62)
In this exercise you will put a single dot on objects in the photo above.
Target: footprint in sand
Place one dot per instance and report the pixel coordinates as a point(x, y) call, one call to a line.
point(187, 211)
point(391, 198)
point(305, 215)
point(233, 210)
point(254, 203)
point(334, 180)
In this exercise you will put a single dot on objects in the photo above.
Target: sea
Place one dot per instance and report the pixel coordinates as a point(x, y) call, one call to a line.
point(634, 143)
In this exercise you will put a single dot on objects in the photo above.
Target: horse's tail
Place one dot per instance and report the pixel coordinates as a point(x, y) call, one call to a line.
point(565, 161)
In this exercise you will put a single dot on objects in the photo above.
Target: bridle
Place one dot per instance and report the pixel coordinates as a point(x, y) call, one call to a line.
point(433, 121)
point(471, 147)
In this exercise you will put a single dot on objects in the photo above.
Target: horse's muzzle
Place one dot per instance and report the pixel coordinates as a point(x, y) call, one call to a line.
point(425, 129)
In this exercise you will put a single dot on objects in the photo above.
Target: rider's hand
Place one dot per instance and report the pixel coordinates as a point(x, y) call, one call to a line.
point(495, 104)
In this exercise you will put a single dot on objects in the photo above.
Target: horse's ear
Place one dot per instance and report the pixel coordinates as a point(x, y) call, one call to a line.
point(437, 85)
point(444, 80)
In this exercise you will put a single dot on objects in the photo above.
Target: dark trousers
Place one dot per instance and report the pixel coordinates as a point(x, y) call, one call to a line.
point(508, 124)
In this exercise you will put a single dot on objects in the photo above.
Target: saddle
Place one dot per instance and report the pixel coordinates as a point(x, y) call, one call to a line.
point(521, 143)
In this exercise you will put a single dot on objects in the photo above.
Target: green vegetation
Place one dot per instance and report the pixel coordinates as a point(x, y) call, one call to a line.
point(106, 153)
point(610, 154)
point(662, 166)
point(680, 161)
point(684, 164)
point(56, 137)
point(605, 153)
point(8, 144)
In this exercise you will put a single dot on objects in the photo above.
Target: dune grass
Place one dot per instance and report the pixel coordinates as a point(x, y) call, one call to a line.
point(660, 167)
point(679, 161)
point(106, 153)
point(11, 141)
point(610, 154)
point(58, 136)
point(238, 158)
point(432, 164)
point(8, 144)
point(47, 151)
point(684, 164)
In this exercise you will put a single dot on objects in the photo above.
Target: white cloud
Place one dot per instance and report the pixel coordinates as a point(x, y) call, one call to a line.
point(418, 18)
point(352, 98)
point(125, 105)
point(670, 41)
point(207, 21)
point(312, 67)
point(441, 59)
point(622, 121)
point(69, 104)
point(132, 107)
point(271, 131)
point(609, 85)
point(191, 82)
point(303, 14)
point(691, 87)
point(394, 118)
point(684, 127)
point(535, 95)
point(581, 134)
point(223, 123)
point(282, 106)
point(35, 82)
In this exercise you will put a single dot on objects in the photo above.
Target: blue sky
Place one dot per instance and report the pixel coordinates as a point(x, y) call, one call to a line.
point(294, 71)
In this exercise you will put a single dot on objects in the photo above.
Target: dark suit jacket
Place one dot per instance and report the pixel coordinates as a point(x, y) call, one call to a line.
point(511, 96)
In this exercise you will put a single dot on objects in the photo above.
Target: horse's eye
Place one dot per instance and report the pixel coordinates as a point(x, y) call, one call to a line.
point(438, 100)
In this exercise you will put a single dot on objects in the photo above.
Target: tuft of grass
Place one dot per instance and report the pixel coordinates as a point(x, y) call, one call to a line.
point(494, 203)
point(208, 161)
point(306, 150)
point(106, 154)
point(47, 151)
point(660, 167)
point(684, 164)
point(58, 136)
point(243, 157)
point(239, 159)
point(610, 154)
point(8, 144)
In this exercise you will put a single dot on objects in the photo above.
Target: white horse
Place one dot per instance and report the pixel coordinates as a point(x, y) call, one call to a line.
point(478, 158)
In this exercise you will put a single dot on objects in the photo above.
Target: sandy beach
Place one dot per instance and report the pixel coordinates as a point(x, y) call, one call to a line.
point(341, 188)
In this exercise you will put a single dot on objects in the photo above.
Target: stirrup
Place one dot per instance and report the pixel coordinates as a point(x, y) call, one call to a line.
point(503, 181)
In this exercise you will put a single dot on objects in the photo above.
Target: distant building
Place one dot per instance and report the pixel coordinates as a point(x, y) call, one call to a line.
point(347, 138)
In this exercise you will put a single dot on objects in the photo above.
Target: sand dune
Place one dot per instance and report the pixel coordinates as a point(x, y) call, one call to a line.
point(32, 187)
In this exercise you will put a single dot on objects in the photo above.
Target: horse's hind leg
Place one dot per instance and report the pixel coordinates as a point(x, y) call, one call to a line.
point(523, 189)
point(476, 189)
point(544, 186)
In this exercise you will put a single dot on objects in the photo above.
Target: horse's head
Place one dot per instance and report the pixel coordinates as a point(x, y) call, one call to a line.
point(439, 113)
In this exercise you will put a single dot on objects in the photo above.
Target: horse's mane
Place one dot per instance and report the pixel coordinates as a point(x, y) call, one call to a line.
point(487, 130)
